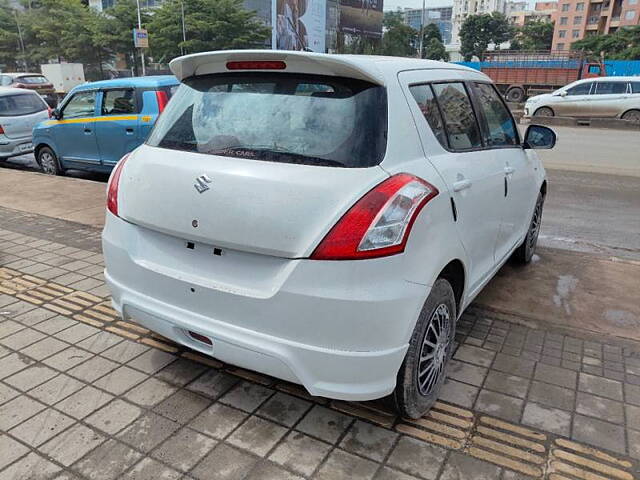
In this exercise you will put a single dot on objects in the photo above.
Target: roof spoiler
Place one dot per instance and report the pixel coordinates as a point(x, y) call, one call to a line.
point(296, 62)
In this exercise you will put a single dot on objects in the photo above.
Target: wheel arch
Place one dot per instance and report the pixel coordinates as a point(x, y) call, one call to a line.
point(629, 110)
point(544, 106)
point(39, 146)
point(454, 273)
point(543, 188)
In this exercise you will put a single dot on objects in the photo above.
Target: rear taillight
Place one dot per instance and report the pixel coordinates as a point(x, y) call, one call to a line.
point(162, 99)
point(379, 223)
point(257, 65)
point(114, 184)
point(50, 111)
point(1, 130)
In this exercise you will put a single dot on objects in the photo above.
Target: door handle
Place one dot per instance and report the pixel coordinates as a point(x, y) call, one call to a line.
point(129, 131)
point(87, 130)
point(461, 185)
point(509, 170)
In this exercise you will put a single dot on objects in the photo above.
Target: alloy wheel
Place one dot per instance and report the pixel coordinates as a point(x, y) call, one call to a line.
point(435, 350)
point(48, 163)
point(534, 229)
point(632, 116)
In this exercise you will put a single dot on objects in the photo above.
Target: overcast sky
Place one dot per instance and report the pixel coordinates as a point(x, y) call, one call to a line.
point(394, 4)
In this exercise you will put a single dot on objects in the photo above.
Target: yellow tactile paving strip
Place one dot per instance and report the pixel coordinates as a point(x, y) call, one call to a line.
point(517, 448)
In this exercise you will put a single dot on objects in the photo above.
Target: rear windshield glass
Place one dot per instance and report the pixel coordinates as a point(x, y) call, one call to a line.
point(23, 104)
point(290, 118)
point(33, 79)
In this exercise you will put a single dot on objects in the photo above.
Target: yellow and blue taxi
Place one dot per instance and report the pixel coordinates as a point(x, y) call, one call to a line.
point(97, 123)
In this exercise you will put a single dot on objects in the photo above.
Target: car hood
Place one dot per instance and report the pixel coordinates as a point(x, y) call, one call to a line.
point(540, 98)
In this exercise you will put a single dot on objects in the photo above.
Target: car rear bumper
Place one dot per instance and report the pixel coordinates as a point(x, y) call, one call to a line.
point(10, 147)
point(301, 332)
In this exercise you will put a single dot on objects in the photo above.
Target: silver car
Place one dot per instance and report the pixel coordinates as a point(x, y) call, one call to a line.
point(617, 97)
point(20, 111)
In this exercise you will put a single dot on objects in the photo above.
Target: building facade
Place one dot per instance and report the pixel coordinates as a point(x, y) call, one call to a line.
point(441, 16)
point(463, 8)
point(576, 19)
point(543, 11)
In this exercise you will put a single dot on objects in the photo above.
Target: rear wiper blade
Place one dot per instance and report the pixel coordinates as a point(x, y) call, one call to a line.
point(275, 155)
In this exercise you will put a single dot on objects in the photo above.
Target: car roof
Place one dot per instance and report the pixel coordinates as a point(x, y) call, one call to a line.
point(140, 82)
point(607, 79)
point(372, 68)
point(13, 91)
point(22, 74)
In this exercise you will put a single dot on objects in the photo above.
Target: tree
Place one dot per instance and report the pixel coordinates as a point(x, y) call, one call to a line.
point(624, 44)
point(434, 50)
point(399, 41)
point(9, 38)
point(478, 31)
point(210, 25)
point(534, 35)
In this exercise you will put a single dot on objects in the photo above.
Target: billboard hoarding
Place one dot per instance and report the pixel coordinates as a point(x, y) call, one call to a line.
point(361, 17)
point(299, 25)
point(140, 38)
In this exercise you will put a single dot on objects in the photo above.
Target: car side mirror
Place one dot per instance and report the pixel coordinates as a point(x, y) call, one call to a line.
point(539, 137)
point(563, 94)
point(57, 114)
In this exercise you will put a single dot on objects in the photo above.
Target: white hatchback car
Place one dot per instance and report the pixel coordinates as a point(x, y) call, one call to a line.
point(323, 219)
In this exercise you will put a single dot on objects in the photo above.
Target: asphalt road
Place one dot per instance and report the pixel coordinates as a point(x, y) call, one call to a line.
point(586, 209)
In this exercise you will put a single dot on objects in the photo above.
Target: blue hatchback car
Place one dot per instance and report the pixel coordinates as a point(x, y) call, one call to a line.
point(97, 123)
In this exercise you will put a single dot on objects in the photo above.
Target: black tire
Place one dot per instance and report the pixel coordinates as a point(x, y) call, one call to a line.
point(631, 116)
point(544, 112)
point(410, 398)
point(48, 162)
point(515, 95)
point(524, 253)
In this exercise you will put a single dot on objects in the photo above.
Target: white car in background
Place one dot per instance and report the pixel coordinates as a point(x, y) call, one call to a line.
point(20, 111)
point(613, 97)
point(323, 219)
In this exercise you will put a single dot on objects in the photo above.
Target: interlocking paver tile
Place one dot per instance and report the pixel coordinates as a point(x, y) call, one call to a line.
point(120, 380)
point(31, 467)
point(92, 369)
point(9, 327)
point(390, 474)
point(467, 373)
point(152, 360)
point(458, 393)
point(600, 407)
point(7, 393)
point(598, 433)
point(76, 333)
point(246, 396)
point(14, 363)
point(368, 441)
point(35, 316)
point(125, 351)
point(148, 431)
point(547, 418)
point(474, 355)
point(600, 386)
point(22, 338)
point(150, 392)
point(72, 444)
point(257, 435)
point(344, 466)
point(325, 424)
point(213, 383)
point(182, 406)
point(300, 453)
point(218, 420)
point(150, 469)
point(31, 377)
point(634, 443)
point(10, 450)
point(68, 358)
point(562, 377)
point(633, 416)
point(552, 395)
point(84, 402)
point(56, 389)
point(284, 408)
point(632, 394)
point(114, 416)
point(181, 372)
point(18, 410)
point(464, 467)
point(4, 351)
point(41, 427)
point(184, 449)
point(44, 348)
point(227, 462)
point(100, 342)
point(499, 405)
point(266, 470)
point(507, 384)
point(520, 367)
point(108, 461)
point(417, 458)
point(55, 324)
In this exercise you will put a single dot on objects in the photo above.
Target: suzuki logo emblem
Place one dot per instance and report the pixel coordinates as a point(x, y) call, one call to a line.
point(201, 183)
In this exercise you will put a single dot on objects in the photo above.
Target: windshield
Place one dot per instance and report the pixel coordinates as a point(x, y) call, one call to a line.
point(22, 104)
point(281, 117)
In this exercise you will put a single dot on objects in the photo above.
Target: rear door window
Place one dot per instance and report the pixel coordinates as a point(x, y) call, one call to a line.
point(635, 87)
point(608, 88)
point(22, 104)
point(278, 117)
point(499, 128)
point(460, 120)
point(119, 102)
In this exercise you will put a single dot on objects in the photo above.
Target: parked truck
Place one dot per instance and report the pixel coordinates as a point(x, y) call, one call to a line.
point(63, 76)
point(519, 75)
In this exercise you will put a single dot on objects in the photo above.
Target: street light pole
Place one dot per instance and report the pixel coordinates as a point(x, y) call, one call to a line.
point(421, 29)
point(184, 31)
point(141, 49)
